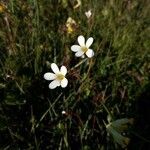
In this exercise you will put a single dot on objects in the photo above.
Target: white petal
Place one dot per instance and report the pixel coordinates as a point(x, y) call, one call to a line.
point(75, 48)
point(55, 68)
point(88, 14)
point(81, 40)
point(79, 53)
point(89, 42)
point(49, 76)
point(64, 83)
point(54, 84)
point(90, 53)
point(63, 70)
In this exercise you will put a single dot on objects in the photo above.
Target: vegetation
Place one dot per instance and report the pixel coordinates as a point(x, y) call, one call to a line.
point(102, 90)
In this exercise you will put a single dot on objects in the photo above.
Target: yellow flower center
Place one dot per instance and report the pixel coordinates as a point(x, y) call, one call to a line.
point(60, 77)
point(84, 49)
point(2, 8)
point(69, 29)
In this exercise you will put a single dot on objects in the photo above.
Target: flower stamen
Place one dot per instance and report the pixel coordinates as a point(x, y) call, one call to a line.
point(84, 49)
point(60, 77)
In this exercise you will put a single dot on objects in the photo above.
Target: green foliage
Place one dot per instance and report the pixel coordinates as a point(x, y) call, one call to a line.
point(33, 34)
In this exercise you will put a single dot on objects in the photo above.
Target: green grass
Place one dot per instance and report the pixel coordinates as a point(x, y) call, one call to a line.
point(115, 82)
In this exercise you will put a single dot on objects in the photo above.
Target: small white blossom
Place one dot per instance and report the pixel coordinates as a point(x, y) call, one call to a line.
point(58, 76)
point(63, 112)
point(83, 47)
point(88, 14)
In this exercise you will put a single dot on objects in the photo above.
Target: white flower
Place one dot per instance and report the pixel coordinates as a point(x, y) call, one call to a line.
point(63, 112)
point(58, 76)
point(83, 47)
point(88, 14)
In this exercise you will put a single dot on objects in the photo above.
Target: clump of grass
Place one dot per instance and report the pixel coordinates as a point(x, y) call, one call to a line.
point(33, 34)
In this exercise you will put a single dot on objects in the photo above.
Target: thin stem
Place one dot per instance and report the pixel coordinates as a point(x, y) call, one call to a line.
point(77, 65)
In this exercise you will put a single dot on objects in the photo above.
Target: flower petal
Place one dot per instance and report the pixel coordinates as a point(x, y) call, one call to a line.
point(49, 76)
point(63, 70)
point(88, 14)
point(64, 83)
point(55, 68)
point(54, 84)
point(79, 53)
point(81, 40)
point(75, 48)
point(90, 53)
point(89, 42)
